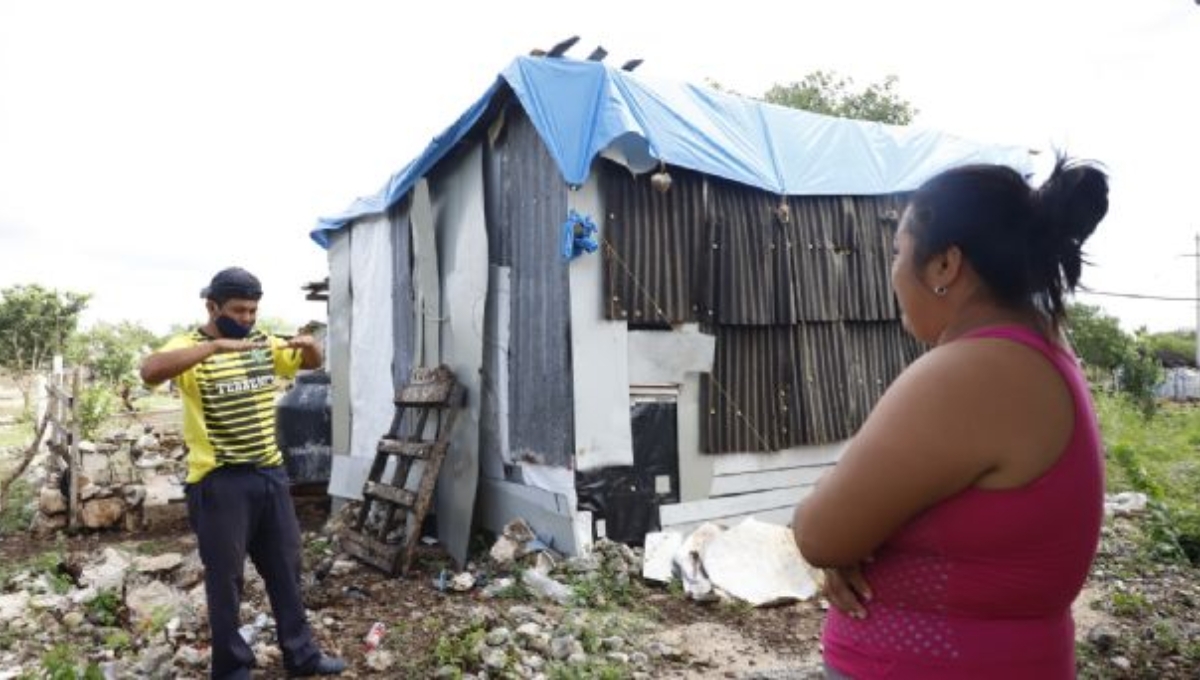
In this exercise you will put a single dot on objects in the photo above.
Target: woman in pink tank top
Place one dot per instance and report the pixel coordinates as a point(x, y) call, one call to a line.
point(962, 519)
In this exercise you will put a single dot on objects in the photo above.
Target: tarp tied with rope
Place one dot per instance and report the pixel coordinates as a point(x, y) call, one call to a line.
point(585, 109)
point(775, 236)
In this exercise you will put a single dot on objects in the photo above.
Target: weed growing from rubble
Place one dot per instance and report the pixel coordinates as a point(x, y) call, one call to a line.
point(590, 670)
point(458, 649)
point(1128, 605)
point(59, 663)
point(118, 640)
point(517, 590)
point(317, 549)
point(157, 622)
point(46, 565)
point(105, 608)
point(604, 589)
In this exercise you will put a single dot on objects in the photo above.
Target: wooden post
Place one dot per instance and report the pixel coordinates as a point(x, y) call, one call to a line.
point(73, 453)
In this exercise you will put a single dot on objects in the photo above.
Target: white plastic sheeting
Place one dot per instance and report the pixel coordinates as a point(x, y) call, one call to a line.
point(462, 251)
point(599, 357)
point(371, 388)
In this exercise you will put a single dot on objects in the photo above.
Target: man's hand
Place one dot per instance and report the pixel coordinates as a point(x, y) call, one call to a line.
point(310, 350)
point(302, 341)
point(847, 589)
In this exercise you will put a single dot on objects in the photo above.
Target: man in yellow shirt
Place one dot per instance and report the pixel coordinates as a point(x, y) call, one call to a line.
point(238, 493)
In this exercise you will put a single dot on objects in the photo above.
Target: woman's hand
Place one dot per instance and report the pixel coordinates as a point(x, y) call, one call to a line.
point(847, 589)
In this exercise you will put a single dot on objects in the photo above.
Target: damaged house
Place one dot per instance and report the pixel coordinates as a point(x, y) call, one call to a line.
point(667, 304)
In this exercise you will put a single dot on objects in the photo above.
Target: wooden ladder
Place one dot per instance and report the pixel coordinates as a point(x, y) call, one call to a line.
point(385, 532)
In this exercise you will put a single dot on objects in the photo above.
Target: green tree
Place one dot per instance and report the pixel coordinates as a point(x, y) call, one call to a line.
point(112, 350)
point(1110, 355)
point(828, 93)
point(35, 324)
point(1174, 348)
point(1097, 337)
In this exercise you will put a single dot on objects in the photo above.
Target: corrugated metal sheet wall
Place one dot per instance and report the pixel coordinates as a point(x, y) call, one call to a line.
point(796, 290)
point(526, 201)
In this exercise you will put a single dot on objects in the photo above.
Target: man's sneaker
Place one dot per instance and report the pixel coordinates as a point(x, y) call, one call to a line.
point(324, 665)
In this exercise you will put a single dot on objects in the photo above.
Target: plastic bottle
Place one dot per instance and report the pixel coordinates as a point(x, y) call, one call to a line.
point(374, 636)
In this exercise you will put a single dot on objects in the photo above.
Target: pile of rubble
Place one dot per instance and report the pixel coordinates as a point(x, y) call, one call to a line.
point(146, 612)
point(131, 480)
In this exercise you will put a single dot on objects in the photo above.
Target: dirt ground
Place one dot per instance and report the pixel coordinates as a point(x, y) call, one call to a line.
point(1134, 619)
point(709, 640)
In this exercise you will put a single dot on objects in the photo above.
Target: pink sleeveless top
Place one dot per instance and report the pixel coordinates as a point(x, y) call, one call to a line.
point(981, 584)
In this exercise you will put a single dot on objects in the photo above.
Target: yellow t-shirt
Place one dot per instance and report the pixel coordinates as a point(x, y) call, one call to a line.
point(229, 403)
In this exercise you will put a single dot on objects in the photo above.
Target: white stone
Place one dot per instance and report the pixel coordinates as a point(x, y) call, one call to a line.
point(154, 600)
point(190, 657)
point(343, 567)
point(495, 658)
point(109, 573)
point(155, 564)
point(381, 660)
point(13, 606)
point(463, 582)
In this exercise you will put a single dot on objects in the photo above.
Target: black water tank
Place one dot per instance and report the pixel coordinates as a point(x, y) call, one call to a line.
point(305, 429)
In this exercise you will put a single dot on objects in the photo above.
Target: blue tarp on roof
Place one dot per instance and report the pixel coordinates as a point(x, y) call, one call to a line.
point(583, 109)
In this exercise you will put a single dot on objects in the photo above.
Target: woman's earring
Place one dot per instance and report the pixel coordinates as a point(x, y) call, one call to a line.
point(940, 291)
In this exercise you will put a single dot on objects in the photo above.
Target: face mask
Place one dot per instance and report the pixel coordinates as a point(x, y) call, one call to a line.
point(232, 329)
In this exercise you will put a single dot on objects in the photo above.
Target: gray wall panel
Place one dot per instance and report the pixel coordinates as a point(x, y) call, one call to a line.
point(528, 201)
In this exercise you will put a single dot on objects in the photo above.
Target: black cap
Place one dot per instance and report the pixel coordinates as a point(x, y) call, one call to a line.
point(233, 282)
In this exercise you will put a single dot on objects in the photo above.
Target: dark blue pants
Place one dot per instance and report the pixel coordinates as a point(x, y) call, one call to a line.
point(240, 511)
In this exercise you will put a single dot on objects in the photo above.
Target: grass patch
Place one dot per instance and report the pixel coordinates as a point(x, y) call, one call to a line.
point(458, 649)
point(1128, 605)
point(156, 401)
point(59, 663)
point(16, 435)
point(1157, 456)
point(105, 608)
point(18, 509)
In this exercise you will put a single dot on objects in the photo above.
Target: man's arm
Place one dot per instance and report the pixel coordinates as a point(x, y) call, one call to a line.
point(163, 366)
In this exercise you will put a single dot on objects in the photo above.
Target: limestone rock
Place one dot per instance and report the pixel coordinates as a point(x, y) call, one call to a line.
point(101, 513)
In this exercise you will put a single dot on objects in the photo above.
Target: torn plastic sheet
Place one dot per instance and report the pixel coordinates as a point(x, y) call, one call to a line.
point(759, 563)
point(755, 562)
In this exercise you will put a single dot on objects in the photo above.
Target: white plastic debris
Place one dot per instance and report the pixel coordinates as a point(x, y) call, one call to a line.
point(1125, 504)
point(661, 547)
point(251, 630)
point(688, 560)
point(759, 563)
point(544, 586)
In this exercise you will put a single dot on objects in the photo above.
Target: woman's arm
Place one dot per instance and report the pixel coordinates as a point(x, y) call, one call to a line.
point(953, 417)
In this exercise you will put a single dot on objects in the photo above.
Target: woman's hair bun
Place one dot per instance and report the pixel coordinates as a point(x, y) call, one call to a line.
point(1069, 204)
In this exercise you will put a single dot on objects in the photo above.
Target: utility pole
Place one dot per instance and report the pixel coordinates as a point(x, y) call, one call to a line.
point(1197, 256)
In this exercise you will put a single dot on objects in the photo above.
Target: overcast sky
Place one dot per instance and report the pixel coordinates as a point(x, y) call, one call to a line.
point(145, 145)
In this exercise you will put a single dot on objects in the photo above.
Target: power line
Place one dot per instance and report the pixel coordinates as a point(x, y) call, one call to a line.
point(1137, 296)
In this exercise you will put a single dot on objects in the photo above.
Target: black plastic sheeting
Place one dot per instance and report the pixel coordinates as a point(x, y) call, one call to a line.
point(304, 429)
point(624, 496)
